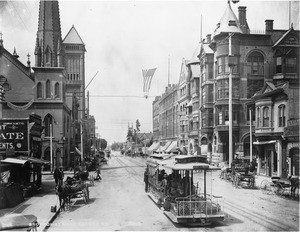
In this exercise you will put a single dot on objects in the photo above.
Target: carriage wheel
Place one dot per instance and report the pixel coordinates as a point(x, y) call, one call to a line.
point(265, 187)
point(278, 189)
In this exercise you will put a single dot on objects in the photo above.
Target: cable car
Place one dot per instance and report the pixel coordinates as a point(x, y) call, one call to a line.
point(179, 184)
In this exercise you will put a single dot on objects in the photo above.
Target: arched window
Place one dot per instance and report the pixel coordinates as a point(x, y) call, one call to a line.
point(281, 111)
point(48, 124)
point(48, 90)
point(266, 117)
point(39, 90)
point(56, 90)
point(258, 116)
point(256, 62)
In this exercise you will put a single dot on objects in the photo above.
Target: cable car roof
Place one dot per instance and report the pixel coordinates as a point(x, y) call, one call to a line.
point(191, 166)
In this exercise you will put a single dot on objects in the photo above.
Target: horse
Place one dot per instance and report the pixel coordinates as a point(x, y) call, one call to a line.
point(63, 190)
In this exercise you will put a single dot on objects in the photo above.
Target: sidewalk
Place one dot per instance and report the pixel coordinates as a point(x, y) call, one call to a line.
point(39, 204)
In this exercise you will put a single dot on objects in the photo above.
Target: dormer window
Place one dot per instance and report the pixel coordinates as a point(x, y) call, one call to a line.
point(232, 23)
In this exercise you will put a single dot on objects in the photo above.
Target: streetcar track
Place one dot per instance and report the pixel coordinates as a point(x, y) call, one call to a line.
point(257, 217)
point(129, 169)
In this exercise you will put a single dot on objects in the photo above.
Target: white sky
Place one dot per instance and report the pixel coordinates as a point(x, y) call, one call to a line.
point(124, 37)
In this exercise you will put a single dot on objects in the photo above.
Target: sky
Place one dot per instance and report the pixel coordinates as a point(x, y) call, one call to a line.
point(124, 37)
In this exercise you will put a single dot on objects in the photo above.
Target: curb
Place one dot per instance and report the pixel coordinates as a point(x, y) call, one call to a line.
point(51, 220)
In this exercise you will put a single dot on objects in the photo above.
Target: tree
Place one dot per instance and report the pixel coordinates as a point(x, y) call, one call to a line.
point(103, 144)
point(137, 125)
point(129, 135)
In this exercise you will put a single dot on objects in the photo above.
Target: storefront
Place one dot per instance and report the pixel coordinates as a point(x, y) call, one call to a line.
point(20, 162)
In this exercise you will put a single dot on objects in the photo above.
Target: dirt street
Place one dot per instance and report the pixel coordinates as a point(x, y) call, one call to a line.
point(119, 202)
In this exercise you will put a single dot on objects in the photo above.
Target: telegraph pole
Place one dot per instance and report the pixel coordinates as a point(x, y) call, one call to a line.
point(51, 149)
point(230, 100)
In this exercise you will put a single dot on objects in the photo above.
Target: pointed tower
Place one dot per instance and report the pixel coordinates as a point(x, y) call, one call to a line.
point(229, 23)
point(74, 62)
point(48, 34)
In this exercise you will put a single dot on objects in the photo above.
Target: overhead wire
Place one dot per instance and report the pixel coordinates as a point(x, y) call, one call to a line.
point(20, 18)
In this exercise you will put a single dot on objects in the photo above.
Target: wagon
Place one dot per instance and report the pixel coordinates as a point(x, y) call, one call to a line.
point(280, 186)
point(244, 177)
point(77, 189)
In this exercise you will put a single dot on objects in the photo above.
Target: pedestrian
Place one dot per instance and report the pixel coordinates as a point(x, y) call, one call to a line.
point(146, 179)
point(57, 176)
point(98, 172)
point(61, 176)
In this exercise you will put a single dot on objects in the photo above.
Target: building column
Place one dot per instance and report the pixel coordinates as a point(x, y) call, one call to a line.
point(258, 165)
point(279, 158)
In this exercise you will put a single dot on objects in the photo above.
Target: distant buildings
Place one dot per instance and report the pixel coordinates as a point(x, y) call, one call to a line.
point(265, 96)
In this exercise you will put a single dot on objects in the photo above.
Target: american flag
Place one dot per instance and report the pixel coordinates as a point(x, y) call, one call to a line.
point(147, 75)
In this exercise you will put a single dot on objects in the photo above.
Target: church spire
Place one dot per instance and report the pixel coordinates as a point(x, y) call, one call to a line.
point(48, 34)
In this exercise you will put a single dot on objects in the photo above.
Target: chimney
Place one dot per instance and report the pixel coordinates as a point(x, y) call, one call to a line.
point(242, 15)
point(243, 20)
point(208, 38)
point(269, 25)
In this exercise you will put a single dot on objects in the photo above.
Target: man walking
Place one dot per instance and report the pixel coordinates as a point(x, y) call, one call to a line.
point(146, 179)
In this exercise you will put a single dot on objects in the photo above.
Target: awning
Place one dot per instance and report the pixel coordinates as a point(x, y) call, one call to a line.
point(166, 146)
point(172, 146)
point(264, 142)
point(34, 160)
point(14, 161)
point(183, 150)
point(153, 146)
point(78, 152)
point(190, 103)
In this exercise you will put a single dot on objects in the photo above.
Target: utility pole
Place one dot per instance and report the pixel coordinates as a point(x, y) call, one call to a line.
point(250, 115)
point(81, 141)
point(1, 100)
point(230, 63)
point(51, 149)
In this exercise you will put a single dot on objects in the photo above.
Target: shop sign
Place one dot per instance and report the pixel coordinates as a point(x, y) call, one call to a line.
point(14, 135)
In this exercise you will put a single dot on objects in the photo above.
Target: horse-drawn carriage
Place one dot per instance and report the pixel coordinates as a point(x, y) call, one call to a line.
point(281, 186)
point(73, 187)
point(241, 172)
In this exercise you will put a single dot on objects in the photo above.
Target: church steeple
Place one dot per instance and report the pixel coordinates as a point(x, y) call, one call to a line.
point(48, 34)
